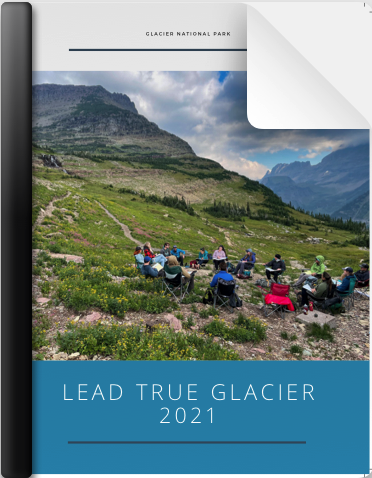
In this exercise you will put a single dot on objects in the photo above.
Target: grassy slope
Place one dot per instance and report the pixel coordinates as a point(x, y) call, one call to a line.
point(85, 228)
point(79, 226)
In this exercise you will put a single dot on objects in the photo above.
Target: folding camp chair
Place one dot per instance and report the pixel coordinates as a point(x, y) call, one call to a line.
point(325, 302)
point(330, 304)
point(205, 262)
point(250, 276)
point(277, 291)
point(360, 288)
point(222, 293)
point(174, 283)
point(348, 297)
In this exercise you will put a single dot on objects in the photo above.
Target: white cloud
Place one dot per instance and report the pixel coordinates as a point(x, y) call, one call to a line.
point(211, 116)
point(250, 169)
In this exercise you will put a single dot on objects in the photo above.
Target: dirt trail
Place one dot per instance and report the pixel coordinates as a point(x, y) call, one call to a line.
point(124, 228)
point(47, 212)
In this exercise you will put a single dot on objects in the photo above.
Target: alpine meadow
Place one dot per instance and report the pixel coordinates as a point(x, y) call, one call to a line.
point(106, 180)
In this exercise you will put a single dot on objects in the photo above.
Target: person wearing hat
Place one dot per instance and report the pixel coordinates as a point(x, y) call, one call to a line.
point(315, 273)
point(363, 274)
point(278, 266)
point(179, 253)
point(147, 270)
point(347, 276)
point(246, 263)
point(138, 256)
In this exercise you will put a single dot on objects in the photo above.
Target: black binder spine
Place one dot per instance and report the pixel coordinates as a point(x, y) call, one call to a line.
point(16, 268)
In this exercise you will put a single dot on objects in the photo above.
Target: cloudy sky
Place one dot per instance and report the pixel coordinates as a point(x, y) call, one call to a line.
point(209, 111)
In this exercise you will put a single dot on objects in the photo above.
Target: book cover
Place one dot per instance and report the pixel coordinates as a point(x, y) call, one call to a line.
point(174, 246)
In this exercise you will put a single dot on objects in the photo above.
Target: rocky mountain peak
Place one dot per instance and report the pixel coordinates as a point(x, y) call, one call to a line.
point(106, 123)
point(72, 94)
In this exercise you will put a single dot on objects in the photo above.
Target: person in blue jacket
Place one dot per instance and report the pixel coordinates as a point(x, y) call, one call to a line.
point(147, 270)
point(179, 253)
point(221, 274)
point(345, 284)
point(246, 262)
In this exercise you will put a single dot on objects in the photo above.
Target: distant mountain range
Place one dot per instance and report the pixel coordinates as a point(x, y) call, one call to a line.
point(338, 185)
point(93, 119)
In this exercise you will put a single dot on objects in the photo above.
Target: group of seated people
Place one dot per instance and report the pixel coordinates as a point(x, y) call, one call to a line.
point(166, 252)
point(145, 257)
point(170, 261)
point(319, 284)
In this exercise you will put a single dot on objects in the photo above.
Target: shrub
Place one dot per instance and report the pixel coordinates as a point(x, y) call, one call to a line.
point(55, 248)
point(45, 288)
point(253, 324)
point(40, 325)
point(284, 335)
point(218, 328)
point(207, 312)
point(361, 240)
point(204, 314)
point(244, 330)
point(39, 357)
point(296, 349)
point(82, 286)
point(134, 343)
point(172, 201)
point(228, 210)
point(192, 298)
point(189, 323)
point(36, 271)
point(213, 312)
point(319, 332)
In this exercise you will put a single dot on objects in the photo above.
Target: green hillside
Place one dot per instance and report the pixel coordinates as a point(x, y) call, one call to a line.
point(83, 214)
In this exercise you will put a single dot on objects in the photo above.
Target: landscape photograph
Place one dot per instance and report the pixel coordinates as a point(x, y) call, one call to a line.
point(166, 227)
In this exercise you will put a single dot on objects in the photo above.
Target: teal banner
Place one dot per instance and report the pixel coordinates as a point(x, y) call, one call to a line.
point(201, 417)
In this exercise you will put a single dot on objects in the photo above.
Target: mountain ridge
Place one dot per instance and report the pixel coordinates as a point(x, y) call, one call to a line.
point(325, 187)
point(88, 116)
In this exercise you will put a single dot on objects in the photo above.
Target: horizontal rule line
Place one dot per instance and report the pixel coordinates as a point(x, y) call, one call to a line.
point(187, 442)
point(157, 49)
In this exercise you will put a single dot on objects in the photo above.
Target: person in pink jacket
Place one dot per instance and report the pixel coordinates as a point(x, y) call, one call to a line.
point(219, 255)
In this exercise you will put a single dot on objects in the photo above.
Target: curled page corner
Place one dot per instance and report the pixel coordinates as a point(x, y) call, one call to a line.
point(284, 91)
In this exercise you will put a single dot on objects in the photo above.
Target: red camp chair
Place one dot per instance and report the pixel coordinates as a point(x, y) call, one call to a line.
point(361, 284)
point(277, 299)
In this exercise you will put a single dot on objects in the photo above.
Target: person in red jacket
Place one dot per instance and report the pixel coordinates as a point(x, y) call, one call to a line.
point(159, 258)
